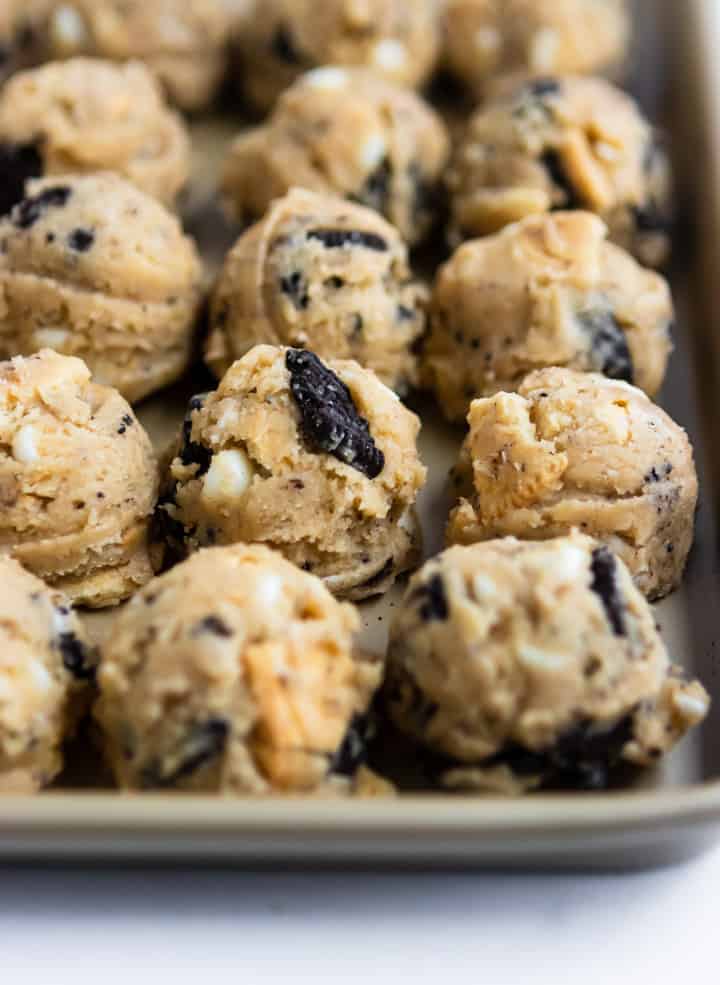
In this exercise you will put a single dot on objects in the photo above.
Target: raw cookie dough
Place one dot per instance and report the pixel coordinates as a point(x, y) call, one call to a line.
point(22, 25)
point(521, 664)
point(564, 143)
point(322, 274)
point(487, 38)
point(92, 267)
point(45, 666)
point(318, 461)
point(78, 480)
point(578, 450)
point(277, 40)
point(547, 291)
point(346, 132)
point(183, 41)
point(88, 115)
point(236, 673)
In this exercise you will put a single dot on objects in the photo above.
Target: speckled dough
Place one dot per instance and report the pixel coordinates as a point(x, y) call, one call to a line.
point(564, 143)
point(578, 450)
point(78, 480)
point(521, 664)
point(547, 291)
point(319, 462)
point(94, 268)
point(88, 115)
point(341, 131)
point(235, 673)
point(45, 665)
point(322, 274)
point(277, 40)
point(183, 41)
point(487, 38)
point(22, 24)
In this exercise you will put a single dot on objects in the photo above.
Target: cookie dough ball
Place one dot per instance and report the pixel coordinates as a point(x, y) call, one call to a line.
point(45, 666)
point(346, 132)
point(564, 143)
point(22, 27)
point(547, 291)
point(521, 664)
point(88, 115)
point(78, 480)
point(235, 673)
point(317, 461)
point(277, 40)
point(322, 274)
point(578, 450)
point(487, 38)
point(183, 41)
point(92, 267)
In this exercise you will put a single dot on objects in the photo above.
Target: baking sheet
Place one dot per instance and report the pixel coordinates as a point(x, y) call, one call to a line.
point(672, 812)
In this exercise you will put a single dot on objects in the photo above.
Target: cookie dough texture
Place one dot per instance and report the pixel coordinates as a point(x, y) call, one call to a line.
point(547, 291)
point(182, 41)
point(92, 267)
point(236, 673)
point(78, 480)
point(45, 664)
point(317, 461)
point(87, 115)
point(22, 24)
point(277, 40)
point(487, 38)
point(323, 274)
point(344, 132)
point(577, 450)
point(518, 664)
point(564, 143)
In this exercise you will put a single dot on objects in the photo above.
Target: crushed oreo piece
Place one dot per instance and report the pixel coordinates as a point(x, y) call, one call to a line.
point(81, 240)
point(552, 163)
point(376, 190)
point(295, 286)
point(77, 658)
point(27, 212)
point(283, 47)
point(213, 625)
point(192, 452)
point(126, 422)
point(205, 742)
point(330, 421)
point(18, 163)
point(609, 350)
point(604, 584)
point(353, 751)
point(334, 239)
point(433, 601)
point(404, 313)
point(539, 88)
point(167, 531)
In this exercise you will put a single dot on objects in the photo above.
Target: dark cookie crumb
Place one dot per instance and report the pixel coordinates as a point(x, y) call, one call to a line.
point(334, 239)
point(656, 474)
point(604, 584)
point(353, 751)
point(126, 422)
point(433, 601)
point(77, 658)
point(552, 163)
point(330, 421)
point(404, 313)
point(18, 163)
point(213, 625)
point(609, 350)
point(27, 212)
point(539, 88)
point(205, 742)
point(81, 240)
point(295, 286)
point(192, 452)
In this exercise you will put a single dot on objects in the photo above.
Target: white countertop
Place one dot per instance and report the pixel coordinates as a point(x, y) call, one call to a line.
point(67, 925)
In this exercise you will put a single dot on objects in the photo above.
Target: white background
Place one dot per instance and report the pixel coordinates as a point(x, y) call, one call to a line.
point(132, 926)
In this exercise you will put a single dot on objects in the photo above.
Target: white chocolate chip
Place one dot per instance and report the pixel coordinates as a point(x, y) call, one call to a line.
point(570, 561)
point(68, 27)
point(269, 590)
point(51, 338)
point(39, 674)
point(692, 706)
point(536, 658)
point(390, 55)
point(328, 77)
point(487, 40)
point(544, 49)
point(373, 151)
point(229, 475)
point(24, 447)
point(483, 587)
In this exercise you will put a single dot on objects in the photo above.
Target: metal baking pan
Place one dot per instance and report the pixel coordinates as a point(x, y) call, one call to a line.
point(674, 812)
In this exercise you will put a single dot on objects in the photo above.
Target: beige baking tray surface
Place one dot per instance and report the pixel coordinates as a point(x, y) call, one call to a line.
point(674, 812)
